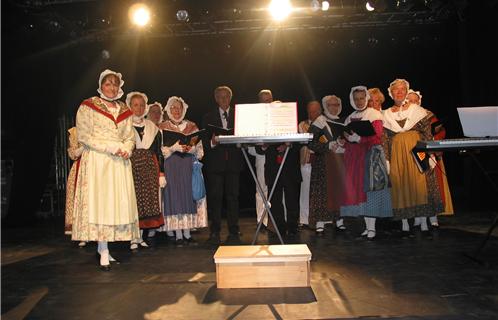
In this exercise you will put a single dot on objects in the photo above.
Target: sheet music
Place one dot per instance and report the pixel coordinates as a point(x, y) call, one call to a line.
point(265, 119)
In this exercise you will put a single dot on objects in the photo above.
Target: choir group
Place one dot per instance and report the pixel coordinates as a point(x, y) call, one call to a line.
point(126, 180)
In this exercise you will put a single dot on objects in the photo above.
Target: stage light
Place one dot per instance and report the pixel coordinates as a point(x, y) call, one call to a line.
point(139, 14)
point(105, 54)
point(325, 5)
point(280, 9)
point(315, 5)
point(404, 5)
point(369, 6)
point(182, 15)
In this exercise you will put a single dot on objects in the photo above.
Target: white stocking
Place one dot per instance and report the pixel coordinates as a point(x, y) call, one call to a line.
point(186, 233)
point(434, 220)
point(104, 253)
point(423, 224)
point(417, 221)
point(179, 235)
point(406, 226)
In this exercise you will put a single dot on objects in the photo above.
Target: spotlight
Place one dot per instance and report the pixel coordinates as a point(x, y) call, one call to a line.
point(404, 5)
point(182, 15)
point(369, 6)
point(315, 5)
point(325, 5)
point(105, 54)
point(280, 9)
point(139, 14)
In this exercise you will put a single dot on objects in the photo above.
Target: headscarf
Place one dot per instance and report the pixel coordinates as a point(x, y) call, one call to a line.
point(367, 97)
point(132, 94)
point(326, 110)
point(121, 83)
point(170, 102)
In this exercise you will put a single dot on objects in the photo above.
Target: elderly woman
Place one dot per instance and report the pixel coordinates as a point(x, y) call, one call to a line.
point(74, 151)
point(181, 211)
point(376, 99)
point(155, 113)
point(366, 191)
point(146, 161)
point(414, 193)
point(439, 133)
point(105, 207)
point(327, 172)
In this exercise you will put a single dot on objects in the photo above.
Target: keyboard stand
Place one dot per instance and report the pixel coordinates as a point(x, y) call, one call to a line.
point(474, 256)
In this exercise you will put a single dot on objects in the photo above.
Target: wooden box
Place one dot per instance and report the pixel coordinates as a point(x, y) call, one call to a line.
point(266, 266)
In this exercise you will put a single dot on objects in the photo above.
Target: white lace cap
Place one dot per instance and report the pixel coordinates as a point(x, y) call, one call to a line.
point(121, 83)
point(326, 110)
point(351, 100)
point(417, 93)
point(167, 108)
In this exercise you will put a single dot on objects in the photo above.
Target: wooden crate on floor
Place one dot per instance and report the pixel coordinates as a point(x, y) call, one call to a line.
point(266, 266)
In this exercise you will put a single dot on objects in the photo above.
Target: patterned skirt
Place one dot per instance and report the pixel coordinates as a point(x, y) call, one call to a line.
point(146, 179)
point(70, 186)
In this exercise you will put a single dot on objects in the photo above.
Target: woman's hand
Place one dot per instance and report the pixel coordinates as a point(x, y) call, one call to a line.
point(123, 154)
point(353, 137)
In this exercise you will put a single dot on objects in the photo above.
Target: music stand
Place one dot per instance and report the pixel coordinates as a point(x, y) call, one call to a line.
point(243, 143)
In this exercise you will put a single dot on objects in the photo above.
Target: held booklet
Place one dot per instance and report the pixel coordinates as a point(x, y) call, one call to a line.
point(421, 160)
point(171, 137)
point(218, 131)
point(363, 128)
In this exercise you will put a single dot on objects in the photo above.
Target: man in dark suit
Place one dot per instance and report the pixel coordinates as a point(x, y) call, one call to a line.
point(288, 182)
point(223, 164)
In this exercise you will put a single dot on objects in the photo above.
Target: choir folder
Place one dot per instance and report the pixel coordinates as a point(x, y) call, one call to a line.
point(363, 128)
point(171, 137)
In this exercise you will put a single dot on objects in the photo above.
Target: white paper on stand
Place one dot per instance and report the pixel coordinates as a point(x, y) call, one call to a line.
point(266, 119)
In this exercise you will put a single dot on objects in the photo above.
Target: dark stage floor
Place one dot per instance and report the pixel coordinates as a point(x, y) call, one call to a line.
point(45, 276)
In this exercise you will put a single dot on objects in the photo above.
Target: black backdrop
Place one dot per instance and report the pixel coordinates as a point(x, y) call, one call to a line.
point(453, 64)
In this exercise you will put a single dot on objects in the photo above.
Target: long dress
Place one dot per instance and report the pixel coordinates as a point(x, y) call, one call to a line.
point(414, 194)
point(147, 163)
point(327, 180)
point(306, 157)
point(442, 180)
point(360, 199)
point(105, 207)
point(74, 151)
point(180, 210)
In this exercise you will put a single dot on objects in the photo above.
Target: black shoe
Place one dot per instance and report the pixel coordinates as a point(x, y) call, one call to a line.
point(407, 235)
point(97, 256)
point(340, 228)
point(233, 239)
point(427, 234)
point(214, 239)
point(105, 267)
point(179, 242)
point(190, 241)
point(320, 231)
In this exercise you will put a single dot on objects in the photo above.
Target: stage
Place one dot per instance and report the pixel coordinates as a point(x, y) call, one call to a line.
point(44, 276)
